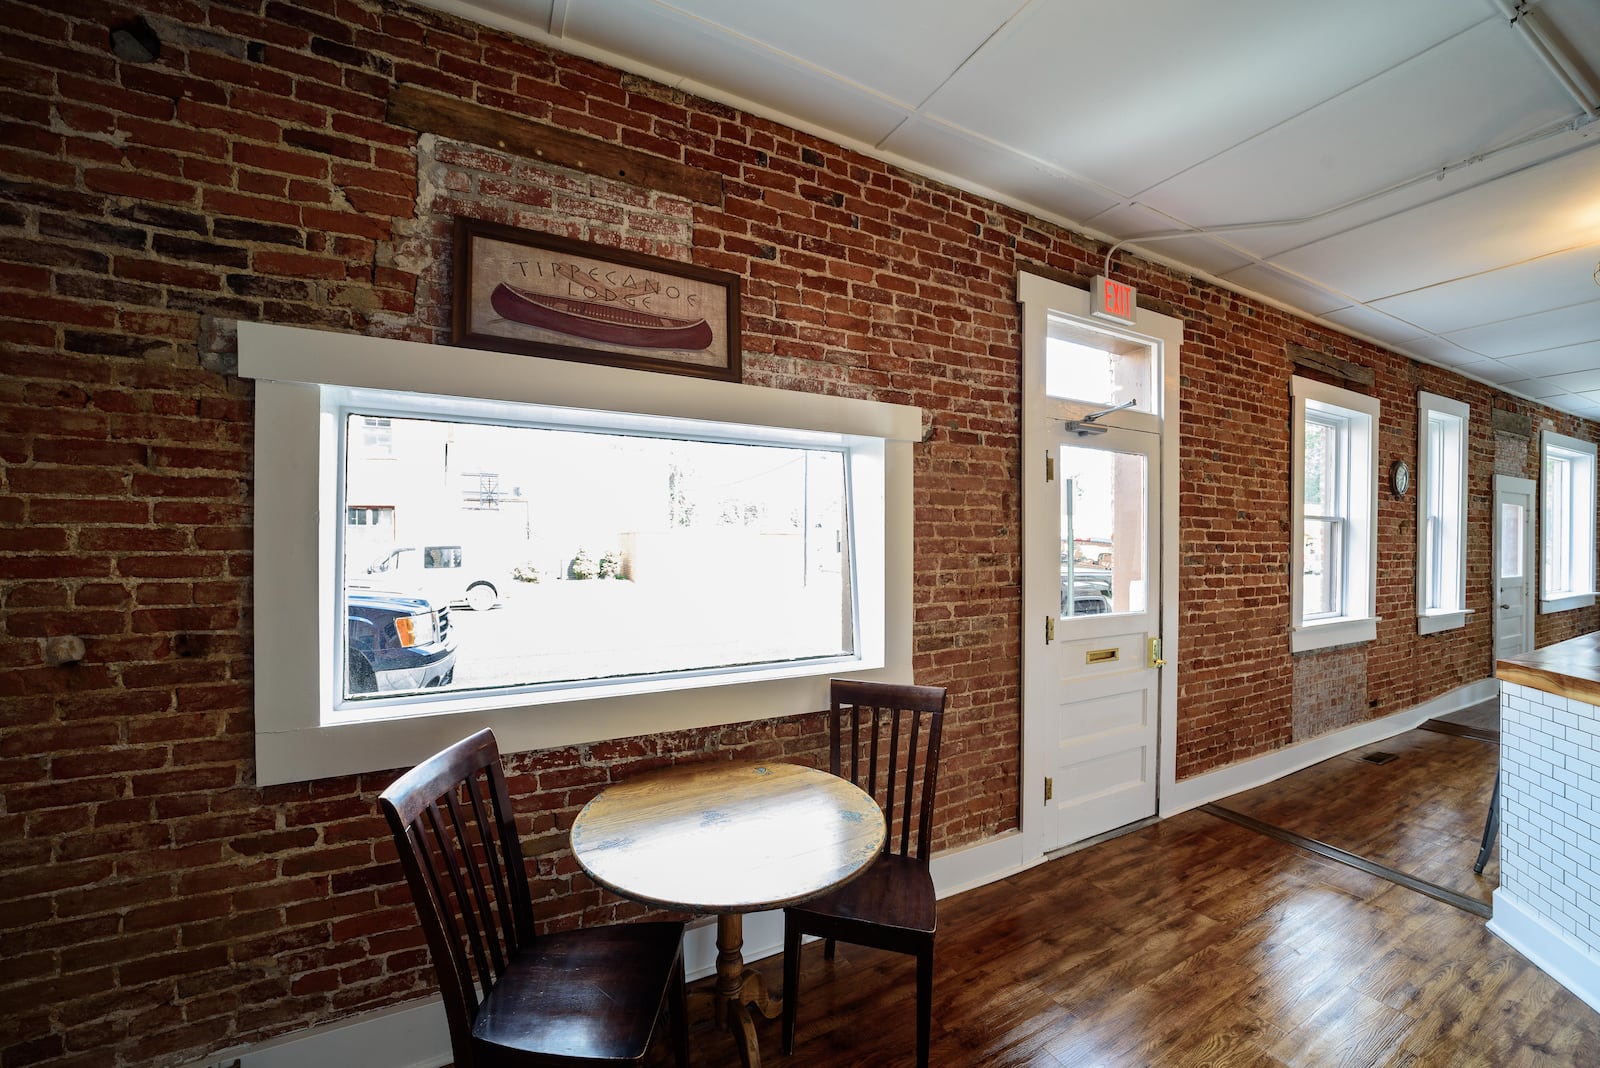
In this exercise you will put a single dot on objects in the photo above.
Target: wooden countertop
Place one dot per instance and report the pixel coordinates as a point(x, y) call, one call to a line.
point(1568, 669)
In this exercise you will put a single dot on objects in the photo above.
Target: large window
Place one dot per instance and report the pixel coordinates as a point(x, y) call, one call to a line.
point(576, 552)
point(613, 554)
point(1567, 492)
point(1334, 500)
point(1441, 513)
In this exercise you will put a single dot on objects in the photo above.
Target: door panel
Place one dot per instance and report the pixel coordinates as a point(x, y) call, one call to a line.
point(1101, 684)
point(1514, 534)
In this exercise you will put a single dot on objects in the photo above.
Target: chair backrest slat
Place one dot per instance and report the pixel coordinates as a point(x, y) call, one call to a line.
point(896, 728)
point(457, 839)
point(477, 915)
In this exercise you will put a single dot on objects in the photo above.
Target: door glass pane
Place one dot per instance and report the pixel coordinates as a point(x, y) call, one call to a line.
point(1084, 364)
point(1103, 523)
point(1510, 540)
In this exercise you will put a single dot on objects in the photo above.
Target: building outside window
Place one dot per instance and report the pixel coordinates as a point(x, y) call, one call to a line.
point(1567, 504)
point(1441, 513)
point(1334, 503)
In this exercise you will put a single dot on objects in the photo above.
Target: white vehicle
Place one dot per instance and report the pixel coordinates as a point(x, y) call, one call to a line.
point(439, 573)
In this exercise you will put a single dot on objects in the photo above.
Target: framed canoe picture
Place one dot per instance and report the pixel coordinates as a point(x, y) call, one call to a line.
point(522, 291)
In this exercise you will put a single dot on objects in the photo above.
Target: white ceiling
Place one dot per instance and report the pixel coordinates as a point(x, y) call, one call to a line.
point(1413, 172)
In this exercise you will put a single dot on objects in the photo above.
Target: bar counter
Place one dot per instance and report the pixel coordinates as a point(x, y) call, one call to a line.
point(1568, 669)
point(1547, 905)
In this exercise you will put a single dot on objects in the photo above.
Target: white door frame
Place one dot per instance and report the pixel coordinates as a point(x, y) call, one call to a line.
point(1530, 579)
point(1039, 297)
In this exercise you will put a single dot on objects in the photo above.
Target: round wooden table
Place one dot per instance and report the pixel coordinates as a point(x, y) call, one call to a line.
point(729, 838)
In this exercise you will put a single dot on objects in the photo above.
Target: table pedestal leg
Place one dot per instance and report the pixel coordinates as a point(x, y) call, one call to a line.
point(740, 990)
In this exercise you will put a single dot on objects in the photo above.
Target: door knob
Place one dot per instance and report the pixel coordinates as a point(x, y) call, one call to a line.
point(1505, 606)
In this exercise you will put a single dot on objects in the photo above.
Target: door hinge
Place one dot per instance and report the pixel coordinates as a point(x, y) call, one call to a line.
point(1049, 629)
point(1049, 468)
point(1049, 788)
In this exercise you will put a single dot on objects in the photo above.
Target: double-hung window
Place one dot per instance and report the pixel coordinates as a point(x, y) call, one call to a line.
point(1441, 513)
point(1333, 551)
point(1567, 490)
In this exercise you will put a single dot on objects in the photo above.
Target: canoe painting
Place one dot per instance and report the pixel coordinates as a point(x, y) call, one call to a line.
point(599, 322)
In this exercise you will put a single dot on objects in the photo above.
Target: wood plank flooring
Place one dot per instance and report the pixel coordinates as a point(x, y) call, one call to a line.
point(1196, 941)
point(1421, 813)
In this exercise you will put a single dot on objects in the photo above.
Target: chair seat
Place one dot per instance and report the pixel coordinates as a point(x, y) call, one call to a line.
point(590, 994)
point(891, 899)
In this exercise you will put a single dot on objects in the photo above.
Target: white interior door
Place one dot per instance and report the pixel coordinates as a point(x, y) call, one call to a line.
point(1099, 565)
point(1514, 539)
point(1100, 679)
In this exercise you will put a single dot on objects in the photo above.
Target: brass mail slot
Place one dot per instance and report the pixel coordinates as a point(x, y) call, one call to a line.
point(1101, 656)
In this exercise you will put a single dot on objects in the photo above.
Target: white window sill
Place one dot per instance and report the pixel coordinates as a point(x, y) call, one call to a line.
point(1566, 603)
point(1434, 622)
point(1342, 631)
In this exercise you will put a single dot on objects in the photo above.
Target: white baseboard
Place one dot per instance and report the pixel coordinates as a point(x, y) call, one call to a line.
point(1258, 771)
point(414, 1035)
point(1554, 953)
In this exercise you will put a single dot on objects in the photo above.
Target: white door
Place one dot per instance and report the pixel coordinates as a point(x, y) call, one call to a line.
point(1099, 565)
point(1100, 683)
point(1514, 533)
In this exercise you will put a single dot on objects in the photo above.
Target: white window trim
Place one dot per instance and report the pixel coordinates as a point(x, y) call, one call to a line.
point(1586, 451)
point(1434, 621)
point(303, 376)
point(1359, 622)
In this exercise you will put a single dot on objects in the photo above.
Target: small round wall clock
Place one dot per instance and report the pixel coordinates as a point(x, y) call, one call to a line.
point(1400, 478)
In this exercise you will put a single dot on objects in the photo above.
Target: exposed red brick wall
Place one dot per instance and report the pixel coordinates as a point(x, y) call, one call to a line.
point(156, 904)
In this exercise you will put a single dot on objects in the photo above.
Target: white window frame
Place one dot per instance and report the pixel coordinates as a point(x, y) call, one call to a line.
point(1567, 550)
point(304, 378)
point(1357, 415)
point(1442, 437)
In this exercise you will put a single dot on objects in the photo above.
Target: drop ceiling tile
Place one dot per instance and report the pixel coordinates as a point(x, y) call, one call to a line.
point(1130, 93)
point(1573, 325)
point(1541, 284)
point(1198, 252)
point(1537, 388)
point(1471, 92)
point(1556, 361)
point(710, 60)
point(893, 47)
point(1375, 324)
point(1515, 218)
point(1577, 381)
point(951, 151)
point(1489, 371)
point(1445, 353)
point(1287, 289)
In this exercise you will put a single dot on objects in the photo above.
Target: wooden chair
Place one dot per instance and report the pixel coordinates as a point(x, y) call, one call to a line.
point(1491, 825)
point(885, 739)
point(580, 997)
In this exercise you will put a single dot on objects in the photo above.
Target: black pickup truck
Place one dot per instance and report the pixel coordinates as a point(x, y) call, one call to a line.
point(396, 644)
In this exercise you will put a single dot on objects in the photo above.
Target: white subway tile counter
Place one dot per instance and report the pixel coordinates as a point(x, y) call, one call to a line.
point(1548, 901)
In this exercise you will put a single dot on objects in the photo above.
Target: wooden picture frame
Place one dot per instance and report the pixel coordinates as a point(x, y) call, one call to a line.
point(541, 295)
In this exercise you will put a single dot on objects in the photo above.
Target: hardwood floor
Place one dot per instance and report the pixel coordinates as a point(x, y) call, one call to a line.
point(1196, 941)
point(1421, 813)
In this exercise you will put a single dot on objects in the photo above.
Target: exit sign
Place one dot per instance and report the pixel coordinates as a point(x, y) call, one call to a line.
point(1112, 300)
